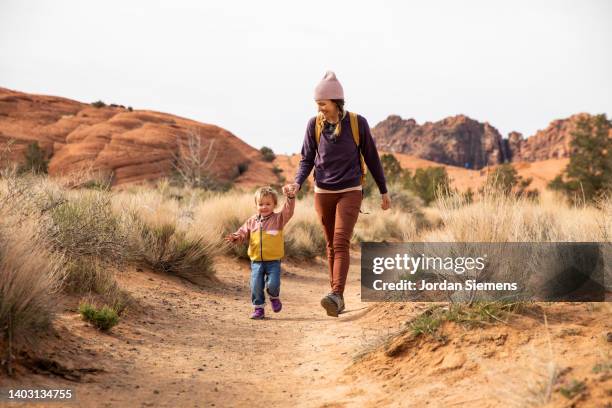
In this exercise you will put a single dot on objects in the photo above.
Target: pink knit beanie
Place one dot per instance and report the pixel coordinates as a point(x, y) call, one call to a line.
point(329, 88)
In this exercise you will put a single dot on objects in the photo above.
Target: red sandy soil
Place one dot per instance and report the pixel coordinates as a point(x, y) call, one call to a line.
point(189, 346)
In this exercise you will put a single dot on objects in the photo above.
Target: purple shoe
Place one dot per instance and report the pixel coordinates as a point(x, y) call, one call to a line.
point(276, 305)
point(258, 313)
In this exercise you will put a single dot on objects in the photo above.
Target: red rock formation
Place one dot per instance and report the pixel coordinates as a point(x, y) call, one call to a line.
point(458, 140)
point(134, 145)
point(464, 142)
point(550, 143)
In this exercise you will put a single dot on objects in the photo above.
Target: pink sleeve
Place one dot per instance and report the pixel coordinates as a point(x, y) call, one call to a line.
point(243, 231)
point(287, 211)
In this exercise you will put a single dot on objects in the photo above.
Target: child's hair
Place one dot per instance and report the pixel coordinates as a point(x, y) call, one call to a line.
point(266, 192)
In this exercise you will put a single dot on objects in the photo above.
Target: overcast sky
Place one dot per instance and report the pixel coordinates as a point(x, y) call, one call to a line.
point(251, 67)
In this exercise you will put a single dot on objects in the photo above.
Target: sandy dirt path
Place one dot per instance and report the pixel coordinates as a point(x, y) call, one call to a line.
point(187, 346)
point(196, 347)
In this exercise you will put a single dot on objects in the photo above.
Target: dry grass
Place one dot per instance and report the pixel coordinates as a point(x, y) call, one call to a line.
point(30, 279)
point(304, 238)
point(392, 225)
point(31, 274)
point(164, 234)
point(500, 218)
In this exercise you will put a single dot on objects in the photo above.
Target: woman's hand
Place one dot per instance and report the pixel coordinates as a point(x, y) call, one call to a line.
point(291, 188)
point(386, 202)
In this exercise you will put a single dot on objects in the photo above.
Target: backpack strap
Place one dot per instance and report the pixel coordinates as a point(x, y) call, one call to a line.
point(355, 130)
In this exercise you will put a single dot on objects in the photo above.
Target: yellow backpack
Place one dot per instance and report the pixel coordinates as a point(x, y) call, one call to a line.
point(354, 130)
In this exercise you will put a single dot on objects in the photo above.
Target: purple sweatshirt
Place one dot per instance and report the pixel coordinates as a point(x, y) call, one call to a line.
point(337, 165)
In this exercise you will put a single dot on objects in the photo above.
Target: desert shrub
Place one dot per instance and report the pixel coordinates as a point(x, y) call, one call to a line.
point(506, 180)
point(35, 160)
point(84, 225)
point(103, 318)
point(164, 248)
point(304, 238)
point(429, 183)
point(30, 278)
point(242, 167)
point(98, 104)
point(267, 154)
point(391, 225)
point(89, 276)
point(391, 167)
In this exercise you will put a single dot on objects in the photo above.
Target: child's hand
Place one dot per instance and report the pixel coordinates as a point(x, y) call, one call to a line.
point(233, 237)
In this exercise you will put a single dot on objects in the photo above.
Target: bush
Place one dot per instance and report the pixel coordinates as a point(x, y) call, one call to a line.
point(83, 225)
point(104, 318)
point(86, 276)
point(163, 248)
point(30, 278)
point(35, 161)
point(391, 166)
point(304, 238)
point(506, 180)
point(430, 182)
point(242, 167)
point(98, 104)
point(267, 154)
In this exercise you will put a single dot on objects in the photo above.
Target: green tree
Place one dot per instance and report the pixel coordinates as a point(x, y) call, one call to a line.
point(588, 175)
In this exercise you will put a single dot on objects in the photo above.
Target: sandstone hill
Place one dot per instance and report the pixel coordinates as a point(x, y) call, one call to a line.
point(133, 145)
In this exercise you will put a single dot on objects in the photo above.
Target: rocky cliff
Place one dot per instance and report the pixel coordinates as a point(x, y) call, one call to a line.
point(465, 142)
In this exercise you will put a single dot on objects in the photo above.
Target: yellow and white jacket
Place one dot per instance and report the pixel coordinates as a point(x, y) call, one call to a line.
point(265, 234)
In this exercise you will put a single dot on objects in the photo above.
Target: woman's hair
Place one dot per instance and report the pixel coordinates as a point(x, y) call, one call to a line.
point(266, 192)
point(340, 104)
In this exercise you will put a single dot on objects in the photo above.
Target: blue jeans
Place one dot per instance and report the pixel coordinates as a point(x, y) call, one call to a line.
point(264, 274)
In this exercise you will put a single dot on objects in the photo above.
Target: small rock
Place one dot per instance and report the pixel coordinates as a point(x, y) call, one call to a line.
point(609, 337)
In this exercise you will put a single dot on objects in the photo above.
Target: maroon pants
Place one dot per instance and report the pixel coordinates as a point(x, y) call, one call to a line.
point(338, 214)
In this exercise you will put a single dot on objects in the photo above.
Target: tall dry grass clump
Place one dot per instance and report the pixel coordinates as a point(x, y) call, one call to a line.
point(79, 226)
point(31, 275)
point(400, 224)
point(546, 271)
point(30, 278)
point(164, 237)
point(496, 217)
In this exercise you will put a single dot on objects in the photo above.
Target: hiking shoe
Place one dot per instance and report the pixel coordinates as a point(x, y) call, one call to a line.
point(340, 304)
point(258, 313)
point(330, 303)
point(276, 305)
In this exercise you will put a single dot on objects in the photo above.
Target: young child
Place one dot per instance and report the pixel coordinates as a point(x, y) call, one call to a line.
point(264, 232)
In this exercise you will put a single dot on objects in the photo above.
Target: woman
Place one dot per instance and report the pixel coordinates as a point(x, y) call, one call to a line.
point(337, 151)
